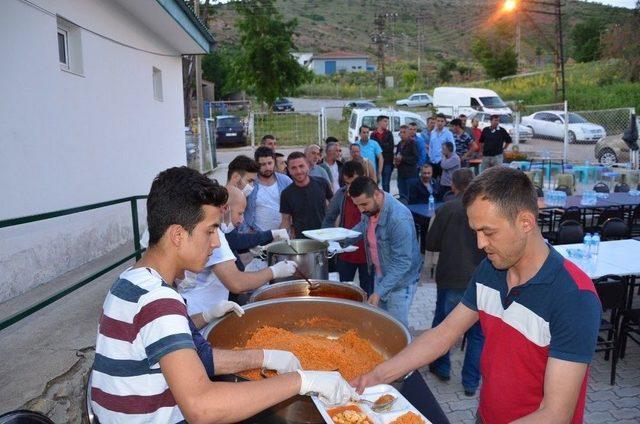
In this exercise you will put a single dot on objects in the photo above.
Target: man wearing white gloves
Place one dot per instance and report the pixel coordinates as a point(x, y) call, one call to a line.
point(148, 366)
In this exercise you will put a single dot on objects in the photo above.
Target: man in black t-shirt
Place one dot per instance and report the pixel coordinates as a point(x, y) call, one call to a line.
point(303, 204)
point(494, 139)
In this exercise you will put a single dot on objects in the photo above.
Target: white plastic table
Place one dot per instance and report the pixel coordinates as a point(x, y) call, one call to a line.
point(619, 257)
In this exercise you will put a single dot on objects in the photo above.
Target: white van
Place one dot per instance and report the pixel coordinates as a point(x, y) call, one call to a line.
point(397, 118)
point(453, 101)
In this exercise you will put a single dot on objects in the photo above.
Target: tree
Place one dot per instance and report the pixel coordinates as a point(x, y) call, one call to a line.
point(264, 65)
point(623, 41)
point(445, 69)
point(586, 40)
point(495, 51)
point(218, 67)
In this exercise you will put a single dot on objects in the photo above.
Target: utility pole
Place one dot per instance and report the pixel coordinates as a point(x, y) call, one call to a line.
point(518, 37)
point(199, 99)
point(560, 47)
point(380, 40)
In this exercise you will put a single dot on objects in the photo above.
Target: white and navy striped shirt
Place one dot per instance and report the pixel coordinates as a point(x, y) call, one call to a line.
point(142, 320)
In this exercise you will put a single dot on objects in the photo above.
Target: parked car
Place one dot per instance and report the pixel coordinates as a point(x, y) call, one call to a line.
point(416, 100)
point(506, 122)
point(613, 149)
point(230, 129)
point(396, 118)
point(550, 124)
point(457, 100)
point(282, 105)
point(360, 104)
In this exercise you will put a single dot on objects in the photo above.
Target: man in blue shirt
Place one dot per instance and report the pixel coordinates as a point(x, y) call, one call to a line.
point(439, 136)
point(370, 149)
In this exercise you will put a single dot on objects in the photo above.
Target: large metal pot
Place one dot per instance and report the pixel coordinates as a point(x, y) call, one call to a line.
point(384, 332)
point(311, 256)
point(300, 288)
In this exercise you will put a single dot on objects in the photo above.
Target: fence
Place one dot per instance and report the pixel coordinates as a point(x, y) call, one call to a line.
point(290, 128)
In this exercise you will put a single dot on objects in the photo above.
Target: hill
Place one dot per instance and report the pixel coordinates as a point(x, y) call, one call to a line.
point(439, 29)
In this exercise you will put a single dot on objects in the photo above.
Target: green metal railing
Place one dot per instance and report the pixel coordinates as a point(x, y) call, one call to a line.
point(137, 253)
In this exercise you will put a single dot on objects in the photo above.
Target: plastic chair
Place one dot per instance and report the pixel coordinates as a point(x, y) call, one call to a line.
point(568, 180)
point(612, 212)
point(601, 188)
point(564, 188)
point(614, 229)
point(621, 188)
point(23, 416)
point(612, 291)
point(571, 213)
point(634, 231)
point(569, 232)
point(629, 329)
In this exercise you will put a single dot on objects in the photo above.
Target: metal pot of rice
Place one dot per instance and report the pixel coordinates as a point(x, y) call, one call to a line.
point(300, 288)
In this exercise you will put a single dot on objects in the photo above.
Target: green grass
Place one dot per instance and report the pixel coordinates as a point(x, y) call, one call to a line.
point(295, 129)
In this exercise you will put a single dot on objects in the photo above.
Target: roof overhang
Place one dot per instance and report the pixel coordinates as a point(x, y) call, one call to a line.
point(174, 22)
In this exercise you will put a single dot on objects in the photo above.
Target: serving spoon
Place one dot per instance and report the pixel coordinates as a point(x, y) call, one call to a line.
point(378, 406)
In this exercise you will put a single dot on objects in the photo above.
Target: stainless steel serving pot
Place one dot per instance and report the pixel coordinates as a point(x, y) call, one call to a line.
point(310, 255)
point(300, 288)
point(383, 331)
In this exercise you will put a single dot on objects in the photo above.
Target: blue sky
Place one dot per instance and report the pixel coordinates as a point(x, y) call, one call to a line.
point(620, 3)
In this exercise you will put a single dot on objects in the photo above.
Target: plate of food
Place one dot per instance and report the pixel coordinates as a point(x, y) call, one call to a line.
point(331, 234)
point(400, 411)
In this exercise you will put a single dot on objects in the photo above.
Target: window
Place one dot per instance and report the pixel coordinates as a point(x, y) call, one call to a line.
point(157, 83)
point(396, 123)
point(475, 104)
point(352, 124)
point(69, 47)
point(370, 121)
point(63, 48)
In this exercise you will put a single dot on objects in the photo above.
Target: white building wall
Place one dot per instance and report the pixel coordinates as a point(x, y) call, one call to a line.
point(68, 140)
point(341, 65)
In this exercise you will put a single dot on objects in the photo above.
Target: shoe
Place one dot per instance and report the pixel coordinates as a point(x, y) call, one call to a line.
point(469, 392)
point(440, 376)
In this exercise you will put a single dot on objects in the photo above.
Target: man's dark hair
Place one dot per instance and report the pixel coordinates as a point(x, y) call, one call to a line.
point(362, 185)
point(461, 178)
point(509, 189)
point(456, 122)
point(331, 139)
point(431, 118)
point(381, 117)
point(176, 197)
point(448, 145)
point(242, 164)
point(264, 152)
point(441, 115)
point(413, 124)
point(295, 155)
point(363, 126)
point(404, 127)
point(462, 115)
point(351, 168)
point(267, 137)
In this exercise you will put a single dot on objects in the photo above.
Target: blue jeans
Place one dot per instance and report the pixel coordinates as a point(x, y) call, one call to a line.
point(404, 184)
point(446, 301)
point(398, 303)
point(348, 270)
point(387, 170)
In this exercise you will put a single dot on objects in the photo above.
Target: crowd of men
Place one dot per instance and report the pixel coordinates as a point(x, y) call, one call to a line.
point(495, 275)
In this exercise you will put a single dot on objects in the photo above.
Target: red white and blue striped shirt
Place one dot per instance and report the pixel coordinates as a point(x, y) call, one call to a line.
point(142, 320)
point(555, 314)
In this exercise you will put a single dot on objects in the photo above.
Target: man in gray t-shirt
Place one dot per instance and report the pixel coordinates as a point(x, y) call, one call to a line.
point(312, 154)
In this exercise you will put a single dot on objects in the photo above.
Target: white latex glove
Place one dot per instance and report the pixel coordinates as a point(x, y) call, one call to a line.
point(220, 309)
point(329, 385)
point(280, 360)
point(280, 234)
point(349, 249)
point(283, 269)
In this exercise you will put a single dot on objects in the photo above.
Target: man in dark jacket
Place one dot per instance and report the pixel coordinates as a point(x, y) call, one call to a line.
point(494, 140)
point(384, 137)
point(451, 235)
point(406, 160)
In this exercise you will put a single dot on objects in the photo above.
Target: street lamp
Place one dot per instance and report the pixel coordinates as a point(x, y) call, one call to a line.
point(509, 6)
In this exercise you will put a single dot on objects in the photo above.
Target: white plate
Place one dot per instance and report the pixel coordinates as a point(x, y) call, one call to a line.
point(331, 234)
point(400, 407)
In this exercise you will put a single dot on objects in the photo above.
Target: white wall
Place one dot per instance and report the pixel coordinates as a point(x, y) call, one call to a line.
point(341, 64)
point(68, 140)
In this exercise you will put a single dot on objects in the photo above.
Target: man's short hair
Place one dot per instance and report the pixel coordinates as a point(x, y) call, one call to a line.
point(381, 117)
point(352, 145)
point(331, 139)
point(351, 168)
point(404, 127)
point(363, 126)
point(441, 115)
point(362, 185)
point(331, 145)
point(509, 189)
point(494, 116)
point(462, 115)
point(461, 178)
point(413, 124)
point(431, 118)
point(267, 137)
point(242, 164)
point(295, 155)
point(264, 152)
point(456, 122)
point(426, 165)
point(311, 147)
point(176, 197)
point(448, 145)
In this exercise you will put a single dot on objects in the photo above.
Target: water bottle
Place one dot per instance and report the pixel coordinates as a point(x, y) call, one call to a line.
point(586, 245)
point(432, 203)
point(595, 245)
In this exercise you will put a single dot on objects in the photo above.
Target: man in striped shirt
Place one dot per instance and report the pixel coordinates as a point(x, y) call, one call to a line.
point(151, 364)
point(539, 313)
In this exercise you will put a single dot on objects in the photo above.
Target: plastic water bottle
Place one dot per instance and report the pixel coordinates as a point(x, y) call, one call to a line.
point(595, 245)
point(586, 245)
point(432, 203)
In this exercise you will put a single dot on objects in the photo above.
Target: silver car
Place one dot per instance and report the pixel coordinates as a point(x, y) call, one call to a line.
point(550, 124)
